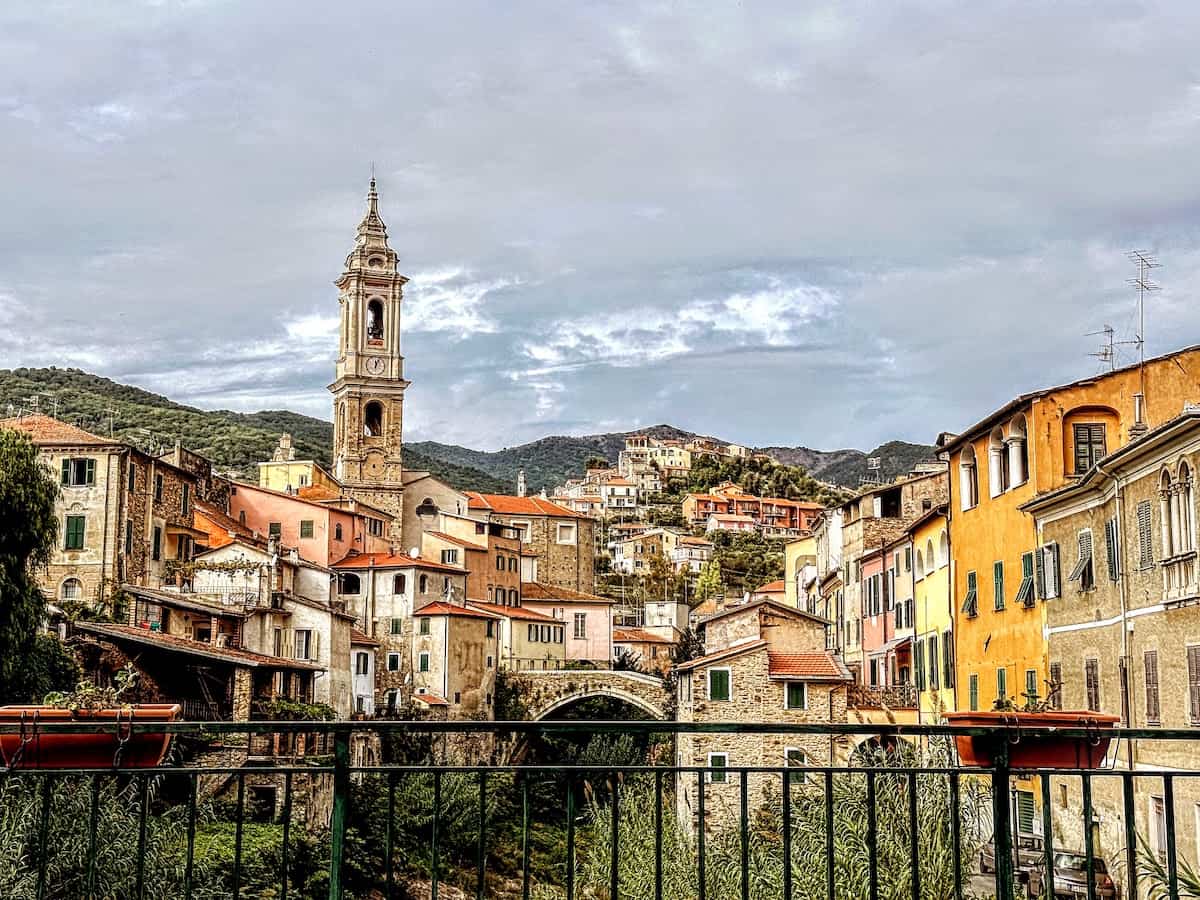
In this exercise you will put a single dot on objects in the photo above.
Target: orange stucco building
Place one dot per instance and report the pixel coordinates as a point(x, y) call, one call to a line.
point(1001, 575)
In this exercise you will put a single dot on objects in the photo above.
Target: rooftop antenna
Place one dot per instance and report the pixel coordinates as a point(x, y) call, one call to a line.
point(1143, 285)
point(110, 411)
point(1105, 354)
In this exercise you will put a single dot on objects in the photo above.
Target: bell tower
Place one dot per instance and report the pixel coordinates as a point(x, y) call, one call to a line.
point(368, 389)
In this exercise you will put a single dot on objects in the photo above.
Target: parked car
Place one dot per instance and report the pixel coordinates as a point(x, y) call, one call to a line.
point(1028, 859)
point(1070, 877)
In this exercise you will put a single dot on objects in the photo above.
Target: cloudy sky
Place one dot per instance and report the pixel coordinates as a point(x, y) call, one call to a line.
point(789, 223)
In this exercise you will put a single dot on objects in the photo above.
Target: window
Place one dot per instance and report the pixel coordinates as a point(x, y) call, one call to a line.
point(1056, 686)
point(499, 562)
point(1083, 571)
point(397, 625)
point(362, 663)
point(970, 605)
point(532, 633)
point(274, 529)
point(1145, 535)
point(998, 471)
point(796, 695)
point(1158, 827)
point(523, 529)
point(489, 662)
point(73, 533)
point(1089, 445)
point(1091, 678)
point(425, 624)
point(795, 758)
point(399, 584)
point(1031, 685)
point(998, 585)
point(943, 550)
point(1150, 659)
point(718, 762)
point(1112, 549)
point(512, 564)
point(375, 319)
point(131, 480)
point(919, 660)
point(349, 583)
point(1025, 812)
point(948, 659)
point(514, 597)
point(78, 472)
point(450, 557)
point(968, 478)
point(156, 544)
point(373, 419)
point(306, 528)
point(423, 584)
point(1048, 572)
point(718, 684)
point(72, 589)
point(158, 487)
point(932, 651)
point(1178, 509)
point(128, 537)
point(973, 681)
point(1025, 591)
point(423, 661)
point(580, 626)
point(920, 572)
point(185, 498)
point(337, 531)
point(446, 585)
point(564, 533)
point(1001, 684)
point(303, 643)
point(491, 628)
point(1193, 666)
point(393, 662)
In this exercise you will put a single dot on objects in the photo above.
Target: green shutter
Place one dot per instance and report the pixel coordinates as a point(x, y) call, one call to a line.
point(974, 681)
point(1025, 812)
point(89, 472)
point(1001, 684)
point(74, 537)
point(998, 584)
point(66, 471)
point(718, 684)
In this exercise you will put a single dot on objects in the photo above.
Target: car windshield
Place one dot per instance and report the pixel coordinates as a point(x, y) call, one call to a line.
point(1078, 861)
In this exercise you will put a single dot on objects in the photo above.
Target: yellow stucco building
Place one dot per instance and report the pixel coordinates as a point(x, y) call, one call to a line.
point(799, 571)
point(933, 614)
point(1036, 443)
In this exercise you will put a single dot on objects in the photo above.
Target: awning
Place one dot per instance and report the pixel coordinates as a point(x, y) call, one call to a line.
point(893, 644)
point(174, 643)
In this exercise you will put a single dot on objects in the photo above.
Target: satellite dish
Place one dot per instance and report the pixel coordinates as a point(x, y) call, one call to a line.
point(414, 552)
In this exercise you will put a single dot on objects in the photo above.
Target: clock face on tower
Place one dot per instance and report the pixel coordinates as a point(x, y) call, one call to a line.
point(373, 467)
point(375, 365)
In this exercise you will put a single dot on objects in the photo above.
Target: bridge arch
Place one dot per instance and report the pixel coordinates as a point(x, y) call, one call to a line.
point(608, 693)
point(545, 692)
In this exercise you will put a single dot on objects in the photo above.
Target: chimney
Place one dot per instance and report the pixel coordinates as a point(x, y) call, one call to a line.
point(1139, 426)
point(521, 483)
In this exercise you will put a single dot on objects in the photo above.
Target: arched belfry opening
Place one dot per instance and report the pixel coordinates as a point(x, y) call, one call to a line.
point(375, 320)
point(373, 419)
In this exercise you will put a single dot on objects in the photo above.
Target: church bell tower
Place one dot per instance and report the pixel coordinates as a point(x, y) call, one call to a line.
point(368, 390)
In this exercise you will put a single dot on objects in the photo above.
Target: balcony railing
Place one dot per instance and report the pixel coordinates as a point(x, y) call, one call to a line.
point(898, 696)
point(852, 811)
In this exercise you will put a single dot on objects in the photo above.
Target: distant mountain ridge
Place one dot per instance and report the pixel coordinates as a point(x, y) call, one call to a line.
point(236, 442)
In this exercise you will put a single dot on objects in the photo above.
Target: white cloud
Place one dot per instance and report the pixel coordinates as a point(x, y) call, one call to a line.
point(450, 300)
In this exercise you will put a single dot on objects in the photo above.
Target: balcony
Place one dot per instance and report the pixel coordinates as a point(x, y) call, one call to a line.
point(850, 811)
point(898, 696)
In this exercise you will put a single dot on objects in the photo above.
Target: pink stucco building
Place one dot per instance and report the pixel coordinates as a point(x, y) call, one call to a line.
point(587, 619)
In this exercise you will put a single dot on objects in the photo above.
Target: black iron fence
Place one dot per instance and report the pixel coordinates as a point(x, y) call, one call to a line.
point(573, 809)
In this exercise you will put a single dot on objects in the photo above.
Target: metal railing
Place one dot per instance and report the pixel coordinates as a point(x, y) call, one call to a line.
point(848, 811)
point(895, 696)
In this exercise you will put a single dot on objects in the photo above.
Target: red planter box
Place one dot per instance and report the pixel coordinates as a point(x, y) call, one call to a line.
point(1028, 751)
point(42, 750)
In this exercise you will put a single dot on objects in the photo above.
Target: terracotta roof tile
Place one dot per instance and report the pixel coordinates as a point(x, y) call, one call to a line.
point(637, 636)
point(462, 542)
point(822, 665)
point(442, 608)
point(361, 637)
point(512, 612)
point(196, 648)
point(46, 430)
point(431, 699)
point(508, 505)
point(772, 587)
point(537, 590)
point(392, 561)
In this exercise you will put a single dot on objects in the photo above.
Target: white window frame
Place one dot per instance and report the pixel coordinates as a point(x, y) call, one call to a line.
point(710, 776)
point(580, 626)
point(558, 531)
point(308, 643)
point(708, 683)
point(425, 658)
point(524, 528)
point(804, 695)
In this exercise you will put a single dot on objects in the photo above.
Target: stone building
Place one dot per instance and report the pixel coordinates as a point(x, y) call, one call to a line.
point(490, 552)
point(560, 542)
point(455, 653)
point(1116, 562)
point(765, 663)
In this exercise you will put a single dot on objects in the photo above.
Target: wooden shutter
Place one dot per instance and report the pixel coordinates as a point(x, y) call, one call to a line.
point(948, 658)
point(919, 659)
point(1054, 574)
point(974, 680)
point(1056, 685)
point(1152, 702)
point(998, 584)
point(1040, 564)
point(66, 471)
point(1110, 549)
point(1193, 662)
point(1091, 674)
point(89, 476)
point(933, 662)
point(1145, 535)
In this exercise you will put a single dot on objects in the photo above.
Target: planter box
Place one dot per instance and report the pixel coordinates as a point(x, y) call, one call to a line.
point(44, 750)
point(1027, 751)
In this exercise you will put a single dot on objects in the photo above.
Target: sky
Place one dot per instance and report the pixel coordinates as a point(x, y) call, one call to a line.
point(827, 225)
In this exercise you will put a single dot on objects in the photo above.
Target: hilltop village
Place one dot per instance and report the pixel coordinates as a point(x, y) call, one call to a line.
point(1047, 555)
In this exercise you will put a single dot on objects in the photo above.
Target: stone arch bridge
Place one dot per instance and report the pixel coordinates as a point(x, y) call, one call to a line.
point(544, 692)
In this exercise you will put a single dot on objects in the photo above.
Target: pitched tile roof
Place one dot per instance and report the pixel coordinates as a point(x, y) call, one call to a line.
point(195, 648)
point(392, 561)
point(771, 605)
point(361, 637)
point(818, 666)
point(46, 430)
point(772, 587)
point(513, 612)
point(442, 608)
point(726, 653)
point(637, 636)
point(507, 505)
point(537, 590)
point(431, 699)
point(462, 542)
point(221, 520)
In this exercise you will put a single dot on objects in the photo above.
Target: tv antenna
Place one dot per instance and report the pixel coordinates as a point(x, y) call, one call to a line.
point(33, 403)
point(1143, 286)
point(1105, 354)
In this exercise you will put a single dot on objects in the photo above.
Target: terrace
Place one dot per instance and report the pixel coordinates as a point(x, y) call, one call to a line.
point(900, 816)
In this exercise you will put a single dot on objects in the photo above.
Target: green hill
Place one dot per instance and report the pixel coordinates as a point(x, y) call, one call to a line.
point(235, 442)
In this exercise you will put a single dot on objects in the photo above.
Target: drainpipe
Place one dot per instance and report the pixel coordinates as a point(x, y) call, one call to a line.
point(1130, 746)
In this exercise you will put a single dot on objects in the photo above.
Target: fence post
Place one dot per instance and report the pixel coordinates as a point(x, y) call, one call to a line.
point(341, 809)
point(1002, 842)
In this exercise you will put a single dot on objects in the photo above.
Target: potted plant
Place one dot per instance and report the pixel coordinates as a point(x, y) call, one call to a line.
point(1031, 732)
point(120, 747)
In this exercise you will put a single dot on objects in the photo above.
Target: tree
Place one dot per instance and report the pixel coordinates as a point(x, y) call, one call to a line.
point(660, 577)
point(28, 493)
point(709, 584)
point(596, 462)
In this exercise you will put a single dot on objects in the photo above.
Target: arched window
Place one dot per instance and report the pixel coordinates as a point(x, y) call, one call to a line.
point(930, 559)
point(373, 419)
point(375, 319)
point(427, 509)
point(399, 584)
point(997, 463)
point(242, 518)
point(349, 583)
point(943, 550)
point(423, 584)
point(72, 589)
point(919, 568)
point(1187, 509)
point(1018, 451)
point(337, 531)
point(968, 477)
point(1177, 507)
